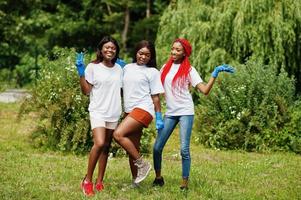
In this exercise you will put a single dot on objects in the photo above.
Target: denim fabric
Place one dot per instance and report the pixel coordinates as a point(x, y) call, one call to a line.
point(170, 122)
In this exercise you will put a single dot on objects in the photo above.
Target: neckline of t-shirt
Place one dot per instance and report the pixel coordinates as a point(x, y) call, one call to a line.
point(139, 65)
point(106, 67)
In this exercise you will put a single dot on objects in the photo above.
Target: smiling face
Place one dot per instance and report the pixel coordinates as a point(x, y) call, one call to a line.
point(143, 56)
point(108, 51)
point(177, 52)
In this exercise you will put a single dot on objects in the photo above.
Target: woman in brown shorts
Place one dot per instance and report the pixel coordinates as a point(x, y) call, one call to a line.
point(141, 88)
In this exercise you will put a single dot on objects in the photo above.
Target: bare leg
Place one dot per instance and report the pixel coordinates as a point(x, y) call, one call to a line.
point(99, 135)
point(135, 138)
point(122, 133)
point(103, 158)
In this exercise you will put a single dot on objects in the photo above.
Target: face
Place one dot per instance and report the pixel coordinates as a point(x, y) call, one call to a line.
point(177, 52)
point(143, 56)
point(108, 51)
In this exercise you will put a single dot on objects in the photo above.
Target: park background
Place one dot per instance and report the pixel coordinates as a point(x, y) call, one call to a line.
point(246, 140)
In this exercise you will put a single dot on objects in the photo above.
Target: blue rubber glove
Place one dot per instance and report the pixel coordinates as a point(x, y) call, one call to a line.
point(159, 121)
point(120, 62)
point(222, 68)
point(80, 65)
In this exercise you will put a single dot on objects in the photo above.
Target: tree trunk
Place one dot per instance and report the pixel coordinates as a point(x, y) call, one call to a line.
point(148, 7)
point(126, 27)
point(109, 9)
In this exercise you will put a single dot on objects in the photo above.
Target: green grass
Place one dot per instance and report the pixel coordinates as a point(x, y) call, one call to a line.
point(29, 173)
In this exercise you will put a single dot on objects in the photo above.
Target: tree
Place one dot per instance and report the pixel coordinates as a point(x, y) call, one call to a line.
point(235, 31)
point(32, 28)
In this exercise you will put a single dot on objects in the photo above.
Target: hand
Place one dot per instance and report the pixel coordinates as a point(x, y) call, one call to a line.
point(222, 68)
point(159, 121)
point(80, 65)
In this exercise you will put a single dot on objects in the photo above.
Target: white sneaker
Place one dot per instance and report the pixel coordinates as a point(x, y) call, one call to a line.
point(134, 185)
point(143, 170)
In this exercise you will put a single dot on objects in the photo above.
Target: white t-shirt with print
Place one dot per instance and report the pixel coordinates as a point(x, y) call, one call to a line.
point(105, 98)
point(180, 102)
point(139, 83)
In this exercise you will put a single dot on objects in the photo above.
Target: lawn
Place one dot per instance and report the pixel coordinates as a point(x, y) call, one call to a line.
point(30, 173)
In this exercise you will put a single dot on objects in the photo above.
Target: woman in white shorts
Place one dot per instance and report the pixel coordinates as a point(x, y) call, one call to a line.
point(102, 80)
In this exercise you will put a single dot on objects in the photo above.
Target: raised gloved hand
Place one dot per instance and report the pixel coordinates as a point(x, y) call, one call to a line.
point(80, 65)
point(159, 121)
point(222, 68)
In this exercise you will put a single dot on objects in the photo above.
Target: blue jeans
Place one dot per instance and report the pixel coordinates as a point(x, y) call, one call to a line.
point(170, 122)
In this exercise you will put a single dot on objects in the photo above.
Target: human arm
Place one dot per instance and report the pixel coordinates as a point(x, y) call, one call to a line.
point(80, 66)
point(85, 86)
point(157, 104)
point(206, 88)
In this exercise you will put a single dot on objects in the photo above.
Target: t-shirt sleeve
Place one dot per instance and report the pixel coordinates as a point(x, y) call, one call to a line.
point(195, 77)
point(155, 82)
point(89, 74)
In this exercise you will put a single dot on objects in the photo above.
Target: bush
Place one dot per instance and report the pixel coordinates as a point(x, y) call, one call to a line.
point(63, 118)
point(25, 71)
point(63, 110)
point(250, 110)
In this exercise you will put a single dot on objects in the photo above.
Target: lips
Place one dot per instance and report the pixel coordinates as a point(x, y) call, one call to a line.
point(174, 57)
point(109, 54)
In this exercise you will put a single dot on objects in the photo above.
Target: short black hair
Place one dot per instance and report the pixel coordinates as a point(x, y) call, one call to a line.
point(151, 47)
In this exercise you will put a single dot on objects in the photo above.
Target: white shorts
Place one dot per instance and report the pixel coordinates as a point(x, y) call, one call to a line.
point(95, 123)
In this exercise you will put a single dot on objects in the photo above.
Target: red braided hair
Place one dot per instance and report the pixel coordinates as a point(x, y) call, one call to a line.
point(181, 76)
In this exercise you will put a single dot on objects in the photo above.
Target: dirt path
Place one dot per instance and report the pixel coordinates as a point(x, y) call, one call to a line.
point(13, 95)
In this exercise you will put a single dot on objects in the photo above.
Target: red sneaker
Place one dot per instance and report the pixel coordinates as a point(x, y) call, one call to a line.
point(87, 188)
point(99, 186)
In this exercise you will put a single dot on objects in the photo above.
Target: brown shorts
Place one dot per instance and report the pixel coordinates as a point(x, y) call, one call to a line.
point(141, 116)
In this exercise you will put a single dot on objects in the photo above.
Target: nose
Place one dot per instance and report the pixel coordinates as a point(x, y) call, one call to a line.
point(173, 52)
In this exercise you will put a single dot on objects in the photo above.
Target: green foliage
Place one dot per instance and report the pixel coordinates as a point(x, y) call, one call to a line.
point(63, 122)
point(26, 70)
point(32, 28)
point(234, 31)
point(291, 133)
point(6, 79)
point(250, 110)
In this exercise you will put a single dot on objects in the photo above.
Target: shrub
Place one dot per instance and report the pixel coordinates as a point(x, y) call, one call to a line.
point(63, 111)
point(250, 110)
point(63, 117)
point(25, 72)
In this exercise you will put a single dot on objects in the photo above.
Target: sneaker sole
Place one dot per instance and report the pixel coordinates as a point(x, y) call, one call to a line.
point(146, 174)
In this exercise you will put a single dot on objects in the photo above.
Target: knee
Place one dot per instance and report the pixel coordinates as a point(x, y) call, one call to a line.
point(117, 135)
point(98, 144)
point(185, 153)
point(157, 149)
point(101, 146)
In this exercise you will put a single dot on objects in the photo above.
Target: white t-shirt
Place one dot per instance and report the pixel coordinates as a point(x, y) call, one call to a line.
point(180, 102)
point(105, 98)
point(139, 83)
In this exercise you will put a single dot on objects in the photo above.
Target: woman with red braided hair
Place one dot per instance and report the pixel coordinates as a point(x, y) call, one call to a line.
point(176, 76)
